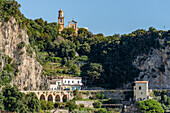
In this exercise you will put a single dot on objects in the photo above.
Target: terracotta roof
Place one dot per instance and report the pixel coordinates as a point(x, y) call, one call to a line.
point(141, 81)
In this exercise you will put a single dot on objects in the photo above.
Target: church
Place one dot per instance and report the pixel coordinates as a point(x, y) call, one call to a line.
point(71, 24)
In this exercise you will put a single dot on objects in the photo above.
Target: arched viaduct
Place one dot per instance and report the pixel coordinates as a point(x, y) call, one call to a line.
point(54, 96)
point(62, 96)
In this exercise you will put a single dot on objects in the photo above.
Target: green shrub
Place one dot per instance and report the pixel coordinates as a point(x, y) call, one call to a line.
point(21, 53)
point(72, 105)
point(165, 99)
point(8, 59)
point(20, 35)
point(81, 105)
point(77, 95)
point(100, 96)
point(8, 68)
point(57, 104)
point(25, 88)
point(102, 110)
point(150, 106)
point(168, 100)
point(97, 104)
point(21, 45)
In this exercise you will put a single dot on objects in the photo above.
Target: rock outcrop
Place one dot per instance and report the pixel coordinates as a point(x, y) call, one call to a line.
point(155, 67)
point(30, 71)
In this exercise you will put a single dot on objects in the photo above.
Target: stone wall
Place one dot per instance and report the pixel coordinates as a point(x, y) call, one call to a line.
point(88, 104)
point(113, 94)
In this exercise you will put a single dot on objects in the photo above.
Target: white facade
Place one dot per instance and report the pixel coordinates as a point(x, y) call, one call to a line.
point(141, 90)
point(55, 84)
point(71, 83)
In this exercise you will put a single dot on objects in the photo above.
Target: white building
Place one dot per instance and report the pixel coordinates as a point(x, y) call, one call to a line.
point(66, 83)
point(55, 84)
point(141, 90)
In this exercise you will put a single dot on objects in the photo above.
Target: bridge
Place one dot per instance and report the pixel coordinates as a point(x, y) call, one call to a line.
point(63, 96)
point(54, 96)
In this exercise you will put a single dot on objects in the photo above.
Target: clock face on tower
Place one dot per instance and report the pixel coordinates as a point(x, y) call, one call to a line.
point(60, 20)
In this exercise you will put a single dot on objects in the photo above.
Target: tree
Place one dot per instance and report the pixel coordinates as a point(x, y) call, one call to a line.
point(72, 105)
point(33, 102)
point(66, 49)
point(57, 104)
point(150, 106)
point(100, 35)
point(77, 95)
point(1, 101)
point(68, 31)
point(75, 69)
point(43, 105)
point(50, 105)
point(6, 76)
point(92, 72)
point(85, 49)
point(83, 31)
point(14, 100)
point(46, 105)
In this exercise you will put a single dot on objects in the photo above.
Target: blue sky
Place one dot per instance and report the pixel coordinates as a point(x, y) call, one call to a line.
point(103, 16)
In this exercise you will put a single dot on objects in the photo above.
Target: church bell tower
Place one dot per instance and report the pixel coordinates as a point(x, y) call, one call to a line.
point(60, 20)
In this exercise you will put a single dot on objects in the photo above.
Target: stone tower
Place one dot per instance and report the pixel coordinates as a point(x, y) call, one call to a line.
point(141, 90)
point(60, 20)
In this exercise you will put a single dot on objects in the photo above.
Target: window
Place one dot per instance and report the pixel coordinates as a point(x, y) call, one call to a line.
point(141, 92)
point(78, 88)
point(78, 82)
point(60, 20)
point(72, 81)
point(140, 88)
point(58, 83)
point(65, 81)
point(68, 81)
point(73, 88)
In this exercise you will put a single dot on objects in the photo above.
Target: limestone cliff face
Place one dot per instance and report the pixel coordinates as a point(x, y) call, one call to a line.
point(155, 67)
point(30, 71)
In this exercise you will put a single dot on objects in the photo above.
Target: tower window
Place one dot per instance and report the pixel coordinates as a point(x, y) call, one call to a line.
point(140, 88)
point(60, 20)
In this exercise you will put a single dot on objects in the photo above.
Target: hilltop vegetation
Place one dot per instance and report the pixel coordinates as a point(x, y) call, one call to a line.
point(101, 61)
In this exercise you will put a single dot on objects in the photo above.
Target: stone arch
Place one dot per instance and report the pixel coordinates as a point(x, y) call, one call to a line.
point(57, 98)
point(42, 97)
point(50, 97)
point(65, 98)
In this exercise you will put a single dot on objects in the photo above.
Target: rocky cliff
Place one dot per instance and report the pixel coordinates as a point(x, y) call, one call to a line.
point(14, 42)
point(155, 67)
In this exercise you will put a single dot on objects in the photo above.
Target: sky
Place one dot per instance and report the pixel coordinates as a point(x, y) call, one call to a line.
point(103, 16)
